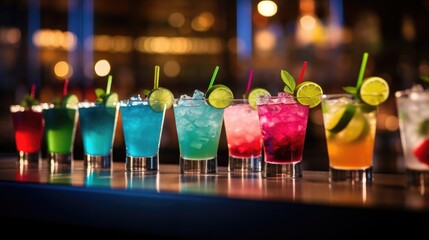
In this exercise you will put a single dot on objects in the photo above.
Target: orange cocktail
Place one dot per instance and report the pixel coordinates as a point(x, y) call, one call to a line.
point(350, 132)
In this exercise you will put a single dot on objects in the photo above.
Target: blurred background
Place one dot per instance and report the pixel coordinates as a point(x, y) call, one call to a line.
point(43, 42)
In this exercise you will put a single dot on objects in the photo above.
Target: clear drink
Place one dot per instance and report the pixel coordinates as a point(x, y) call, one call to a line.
point(243, 136)
point(198, 130)
point(413, 112)
point(142, 128)
point(98, 125)
point(60, 131)
point(283, 123)
point(28, 126)
point(350, 128)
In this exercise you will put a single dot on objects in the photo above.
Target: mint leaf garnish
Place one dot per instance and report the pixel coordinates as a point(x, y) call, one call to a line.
point(146, 92)
point(99, 92)
point(350, 90)
point(28, 101)
point(289, 81)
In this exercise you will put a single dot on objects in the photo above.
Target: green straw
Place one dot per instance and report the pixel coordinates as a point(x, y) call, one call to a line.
point(109, 84)
point(213, 77)
point(362, 70)
point(156, 78)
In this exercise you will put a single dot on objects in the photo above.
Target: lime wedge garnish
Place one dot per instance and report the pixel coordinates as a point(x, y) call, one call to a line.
point(374, 91)
point(341, 118)
point(309, 93)
point(160, 97)
point(219, 96)
point(69, 100)
point(111, 99)
point(254, 94)
point(357, 128)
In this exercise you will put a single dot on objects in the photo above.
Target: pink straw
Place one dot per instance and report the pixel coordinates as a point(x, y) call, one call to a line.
point(301, 76)
point(66, 83)
point(33, 90)
point(249, 81)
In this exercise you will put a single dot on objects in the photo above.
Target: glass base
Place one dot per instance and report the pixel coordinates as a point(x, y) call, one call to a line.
point(97, 162)
point(351, 176)
point(59, 158)
point(283, 171)
point(138, 164)
point(417, 178)
point(198, 166)
point(251, 164)
point(25, 158)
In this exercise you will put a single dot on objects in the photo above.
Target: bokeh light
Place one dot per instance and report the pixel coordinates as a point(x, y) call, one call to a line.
point(63, 70)
point(267, 8)
point(102, 68)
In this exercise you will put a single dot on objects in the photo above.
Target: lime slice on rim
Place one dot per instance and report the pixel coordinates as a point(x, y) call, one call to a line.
point(309, 93)
point(357, 128)
point(69, 100)
point(374, 91)
point(111, 99)
point(160, 97)
point(341, 118)
point(254, 94)
point(219, 96)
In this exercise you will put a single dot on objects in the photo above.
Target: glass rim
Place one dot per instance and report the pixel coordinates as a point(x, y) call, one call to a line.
point(14, 108)
point(412, 95)
point(336, 95)
point(126, 101)
point(86, 104)
point(48, 105)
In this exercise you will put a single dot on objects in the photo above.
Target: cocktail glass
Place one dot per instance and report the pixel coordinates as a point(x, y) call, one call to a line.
point(60, 131)
point(198, 129)
point(28, 129)
point(413, 112)
point(283, 123)
point(243, 136)
point(98, 126)
point(142, 128)
point(350, 127)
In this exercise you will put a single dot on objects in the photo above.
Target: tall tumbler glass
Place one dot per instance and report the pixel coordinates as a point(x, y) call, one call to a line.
point(98, 126)
point(350, 128)
point(413, 112)
point(28, 124)
point(198, 130)
point(243, 136)
point(283, 123)
point(142, 128)
point(60, 131)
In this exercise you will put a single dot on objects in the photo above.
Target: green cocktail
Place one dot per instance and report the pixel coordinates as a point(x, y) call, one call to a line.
point(198, 129)
point(60, 129)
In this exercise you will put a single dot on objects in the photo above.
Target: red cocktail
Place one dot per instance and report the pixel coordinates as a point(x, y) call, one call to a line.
point(28, 125)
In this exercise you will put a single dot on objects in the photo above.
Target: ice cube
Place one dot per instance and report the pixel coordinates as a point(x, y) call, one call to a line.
point(263, 99)
point(135, 98)
point(198, 94)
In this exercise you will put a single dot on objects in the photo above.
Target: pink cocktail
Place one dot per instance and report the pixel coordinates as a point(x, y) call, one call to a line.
point(243, 136)
point(283, 123)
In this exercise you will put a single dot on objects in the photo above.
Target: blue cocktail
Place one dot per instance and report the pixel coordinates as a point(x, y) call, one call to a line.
point(98, 125)
point(142, 128)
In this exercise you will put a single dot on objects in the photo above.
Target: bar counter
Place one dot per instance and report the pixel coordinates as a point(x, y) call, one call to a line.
point(224, 205)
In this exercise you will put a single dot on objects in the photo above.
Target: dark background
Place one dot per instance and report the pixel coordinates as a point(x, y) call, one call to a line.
point(394, 33)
